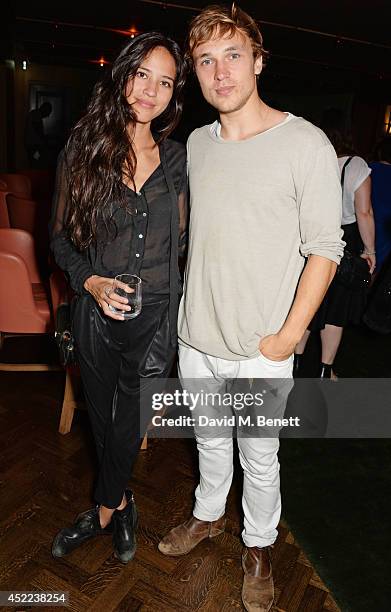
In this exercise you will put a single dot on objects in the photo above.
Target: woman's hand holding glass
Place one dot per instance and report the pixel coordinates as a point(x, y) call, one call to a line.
point(102, 290)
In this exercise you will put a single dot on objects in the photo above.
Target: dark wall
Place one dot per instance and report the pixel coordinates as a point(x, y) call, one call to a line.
point(68, 89)
point(72, 87)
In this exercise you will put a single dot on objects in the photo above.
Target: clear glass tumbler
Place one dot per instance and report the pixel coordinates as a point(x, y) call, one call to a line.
point(121, 282)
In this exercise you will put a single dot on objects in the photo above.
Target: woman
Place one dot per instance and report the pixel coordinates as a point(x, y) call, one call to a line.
point(120, 208)
point(343, 306)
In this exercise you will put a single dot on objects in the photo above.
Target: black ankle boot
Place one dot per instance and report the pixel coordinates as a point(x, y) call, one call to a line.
point(297, 365)
point(86, 526)
point(124, 534)
point(325, 370)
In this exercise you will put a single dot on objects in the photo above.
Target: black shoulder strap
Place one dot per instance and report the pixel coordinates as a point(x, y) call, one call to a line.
point(343, 170)
point(174, 237)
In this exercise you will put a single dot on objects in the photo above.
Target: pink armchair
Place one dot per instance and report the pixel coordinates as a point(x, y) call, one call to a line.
point(18, 184)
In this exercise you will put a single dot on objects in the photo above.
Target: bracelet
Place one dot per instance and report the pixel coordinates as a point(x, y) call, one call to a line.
point(369, 253)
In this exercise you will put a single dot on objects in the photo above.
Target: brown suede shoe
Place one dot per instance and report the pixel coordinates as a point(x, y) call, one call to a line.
point(258, 587)
point(183, 538)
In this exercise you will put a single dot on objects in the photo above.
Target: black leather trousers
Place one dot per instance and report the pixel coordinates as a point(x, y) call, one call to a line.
point(117, 359)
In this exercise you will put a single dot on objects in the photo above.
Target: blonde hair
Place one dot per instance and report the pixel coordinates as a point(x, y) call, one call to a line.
point(217, 20)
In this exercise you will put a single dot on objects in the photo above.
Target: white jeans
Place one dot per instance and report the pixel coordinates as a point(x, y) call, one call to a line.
point(258, 456)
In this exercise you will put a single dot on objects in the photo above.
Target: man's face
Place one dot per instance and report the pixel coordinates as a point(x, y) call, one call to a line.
point(227, 71)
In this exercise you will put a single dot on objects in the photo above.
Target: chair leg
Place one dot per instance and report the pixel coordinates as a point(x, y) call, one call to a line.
point(69, 403)
point(144, 444)
point(29, 367)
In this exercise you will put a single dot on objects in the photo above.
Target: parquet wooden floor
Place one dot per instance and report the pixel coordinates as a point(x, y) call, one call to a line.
point(46, 479)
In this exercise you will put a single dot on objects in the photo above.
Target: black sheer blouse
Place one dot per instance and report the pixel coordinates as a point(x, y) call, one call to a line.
point(145, 237)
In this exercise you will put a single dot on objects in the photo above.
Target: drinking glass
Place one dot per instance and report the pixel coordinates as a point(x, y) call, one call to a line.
point(134, 297)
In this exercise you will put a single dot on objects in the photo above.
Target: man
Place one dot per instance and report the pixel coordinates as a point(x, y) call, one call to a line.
point(34, 136)
point(265, 195)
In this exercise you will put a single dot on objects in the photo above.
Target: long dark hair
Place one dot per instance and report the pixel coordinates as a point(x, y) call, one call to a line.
point(100, 147)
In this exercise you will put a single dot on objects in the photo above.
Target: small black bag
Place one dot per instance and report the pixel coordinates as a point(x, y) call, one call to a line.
point(353, 272)
point(63, 335)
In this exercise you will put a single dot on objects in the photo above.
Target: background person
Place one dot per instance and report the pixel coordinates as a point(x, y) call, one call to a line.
point(381, 200)
point(342, 305)
point(35, 139)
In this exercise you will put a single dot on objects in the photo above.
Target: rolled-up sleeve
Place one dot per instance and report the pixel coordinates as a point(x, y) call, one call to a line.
point(320, 206)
